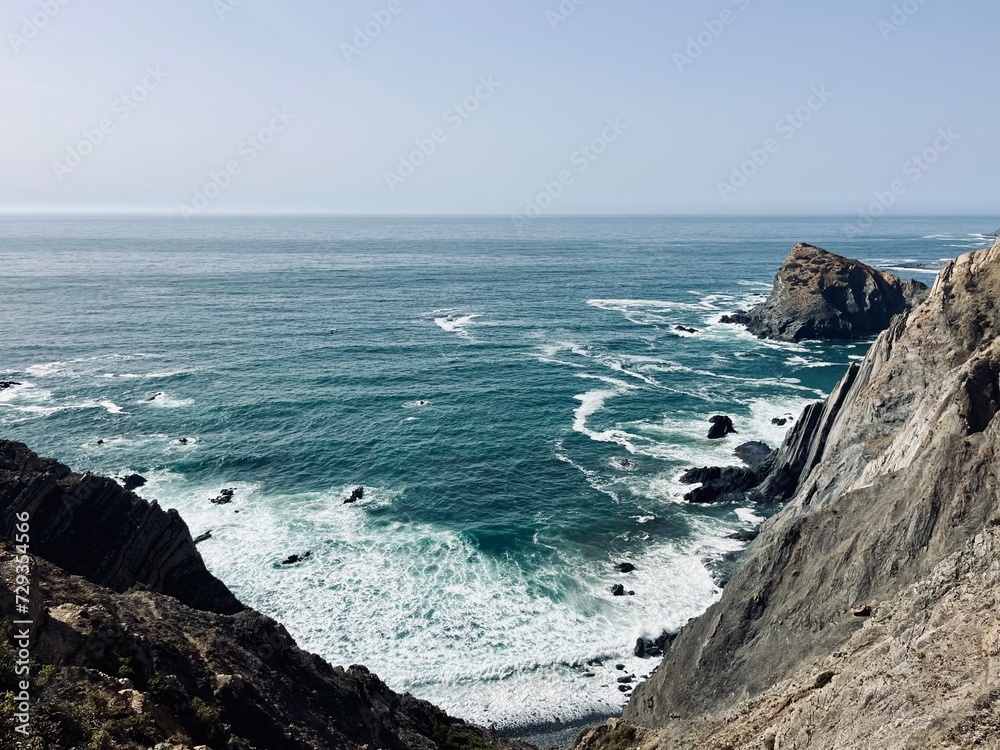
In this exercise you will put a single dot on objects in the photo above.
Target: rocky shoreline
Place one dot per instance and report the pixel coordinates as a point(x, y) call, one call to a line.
point(865, 613)
point(135, 644)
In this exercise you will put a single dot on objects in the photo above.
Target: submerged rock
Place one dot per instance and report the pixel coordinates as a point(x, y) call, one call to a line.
point(225, 496)
point(357, 494)
point(292, 559)
point(203, 537)
point(5, 384)
point(821, 295)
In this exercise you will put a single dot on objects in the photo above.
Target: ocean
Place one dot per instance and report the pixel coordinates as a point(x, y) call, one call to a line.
point(515, 400)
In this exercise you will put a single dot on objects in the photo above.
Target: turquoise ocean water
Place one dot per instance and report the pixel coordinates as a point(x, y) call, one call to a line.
point(484, 385)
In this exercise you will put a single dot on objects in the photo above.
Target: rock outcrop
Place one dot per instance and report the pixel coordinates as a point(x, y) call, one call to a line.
point(134, 643)
point(865, 614)
point(90, 526)
point(820, 295)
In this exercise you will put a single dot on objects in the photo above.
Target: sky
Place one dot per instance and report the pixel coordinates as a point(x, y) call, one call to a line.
point(508, 107)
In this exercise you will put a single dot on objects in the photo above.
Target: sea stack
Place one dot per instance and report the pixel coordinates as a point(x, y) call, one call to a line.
point(821, 295)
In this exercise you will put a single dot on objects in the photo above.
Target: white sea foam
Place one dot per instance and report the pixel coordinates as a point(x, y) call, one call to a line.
point(746, 515)
point(483, 639)
point(47, 369)
point(111, 407)
point(166, 401)
point(420, 404)
point(455, 322)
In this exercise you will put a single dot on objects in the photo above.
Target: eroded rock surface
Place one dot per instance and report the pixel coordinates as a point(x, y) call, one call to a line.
point(821, 295)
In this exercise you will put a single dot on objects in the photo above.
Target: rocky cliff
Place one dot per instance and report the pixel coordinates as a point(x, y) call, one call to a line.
point(89, 526)
point(820, 295)
point(865, 614)
point(135, 643)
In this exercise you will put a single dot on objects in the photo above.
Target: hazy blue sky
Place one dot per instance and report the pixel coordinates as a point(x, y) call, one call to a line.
point(875, 83)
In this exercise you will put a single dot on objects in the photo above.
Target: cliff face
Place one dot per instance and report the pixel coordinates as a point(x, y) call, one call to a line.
point(91, 527)
point(891, 480)
point(183, 663)
point(820, 295)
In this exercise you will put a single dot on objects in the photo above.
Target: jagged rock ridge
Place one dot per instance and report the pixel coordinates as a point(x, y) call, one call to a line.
point(892, 477)
point(821, 295)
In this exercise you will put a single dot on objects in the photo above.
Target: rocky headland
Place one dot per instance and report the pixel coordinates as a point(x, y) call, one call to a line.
point(865, 614)
point(821, 295)
point(134, 644)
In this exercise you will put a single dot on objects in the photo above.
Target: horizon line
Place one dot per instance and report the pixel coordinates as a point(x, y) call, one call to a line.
point(159, 213)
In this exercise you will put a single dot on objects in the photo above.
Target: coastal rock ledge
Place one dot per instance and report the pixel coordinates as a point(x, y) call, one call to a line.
point(821, 295)
point(866, 614)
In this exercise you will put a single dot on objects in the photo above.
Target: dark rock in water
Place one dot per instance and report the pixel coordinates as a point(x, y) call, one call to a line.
point(721, 426)
point(595, 663)
point(625, 567)
point(618, 590)
point(754, 454)
point(623, 688)
point(619, 667)
point(183, 441)
point(626, 679)
point(779, 421)
point(292, 559)
point(357, 494)
point(719, 484)
point(133, 481)
point(652, 647)
point(100, 442)
point(203, 537)
point(225, 496)
point(685, 329)
point(625, 463)
point(820, 295)
point(631, 593)
point(744, 535)
point(5, 384)
point(155, 396)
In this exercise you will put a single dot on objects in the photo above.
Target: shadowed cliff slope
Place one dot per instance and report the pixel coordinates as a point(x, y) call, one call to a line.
point(894, 476)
